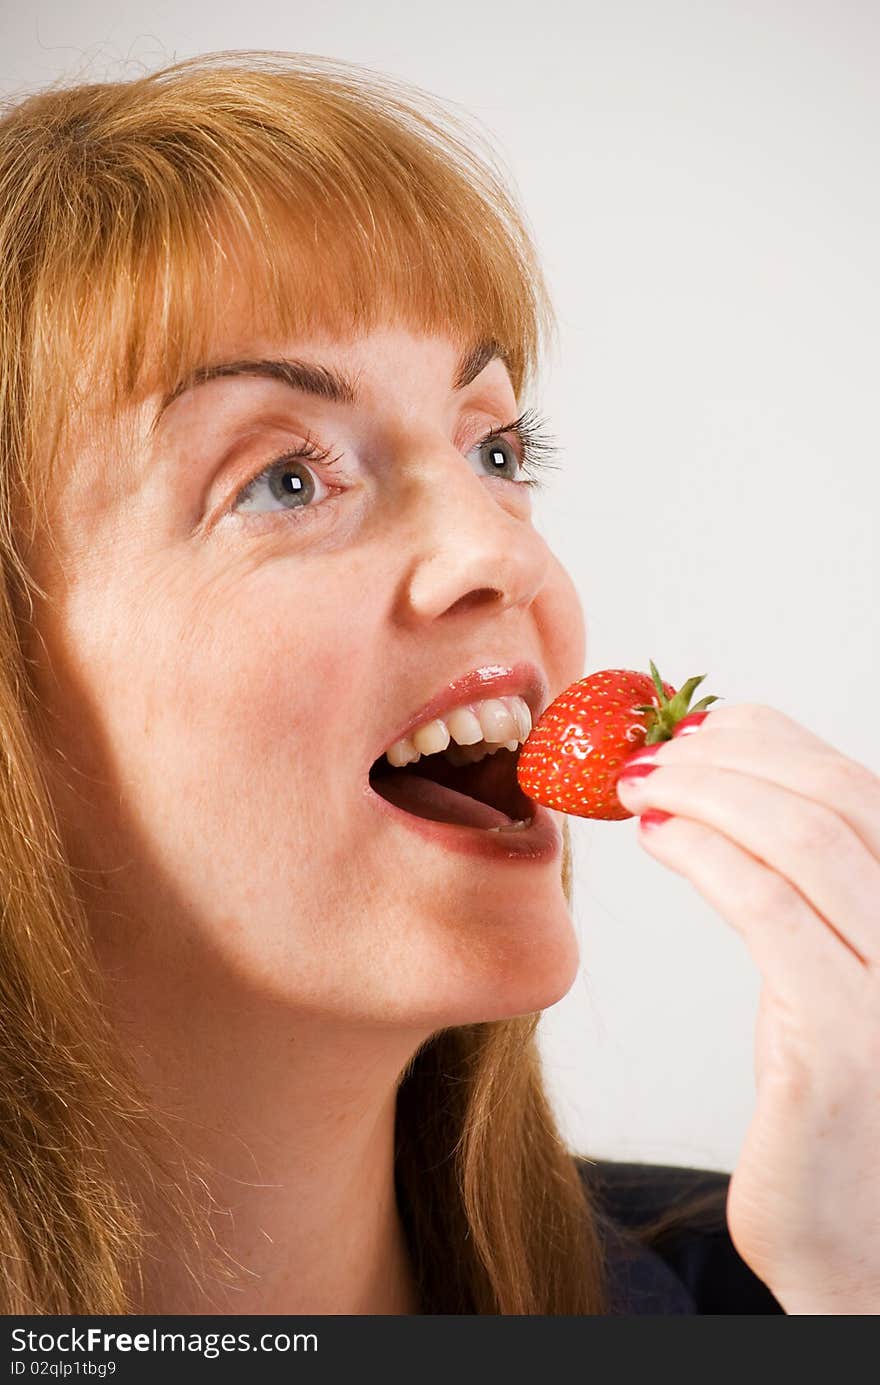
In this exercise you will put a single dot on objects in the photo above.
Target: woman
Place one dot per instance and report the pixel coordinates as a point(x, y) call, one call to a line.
point(269, 1041)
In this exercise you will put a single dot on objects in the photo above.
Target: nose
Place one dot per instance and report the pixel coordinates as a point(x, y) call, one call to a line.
point(470, 547)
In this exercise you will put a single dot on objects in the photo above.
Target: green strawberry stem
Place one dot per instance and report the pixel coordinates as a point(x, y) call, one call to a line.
point(662, 720)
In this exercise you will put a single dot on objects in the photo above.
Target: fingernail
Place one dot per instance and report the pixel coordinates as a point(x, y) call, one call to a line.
point(637, 770)
point(653, 818)
point(642, 756)
point(689, 724)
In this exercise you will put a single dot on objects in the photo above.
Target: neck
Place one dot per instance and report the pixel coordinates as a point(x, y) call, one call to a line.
point(291, 1120)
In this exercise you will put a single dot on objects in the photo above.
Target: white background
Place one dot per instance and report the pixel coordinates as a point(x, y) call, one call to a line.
point(702, 180)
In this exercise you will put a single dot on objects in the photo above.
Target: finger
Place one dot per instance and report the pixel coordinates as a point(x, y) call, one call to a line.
point(770, 750)
point(805, 842)
point(758, 716)
point(800, 959)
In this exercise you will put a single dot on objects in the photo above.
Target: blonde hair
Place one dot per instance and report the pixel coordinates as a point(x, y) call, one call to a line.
point(337, 200)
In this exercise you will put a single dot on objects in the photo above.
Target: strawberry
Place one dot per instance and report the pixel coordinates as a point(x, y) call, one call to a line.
point(575, 752)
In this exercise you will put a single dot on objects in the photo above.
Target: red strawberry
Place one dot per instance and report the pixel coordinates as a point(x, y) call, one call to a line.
point(576, 749)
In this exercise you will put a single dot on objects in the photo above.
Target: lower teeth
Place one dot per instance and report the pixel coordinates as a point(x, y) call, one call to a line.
point(519, 826)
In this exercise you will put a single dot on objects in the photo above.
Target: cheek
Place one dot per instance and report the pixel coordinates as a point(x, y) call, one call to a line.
point(214, 723)
point(265, 698)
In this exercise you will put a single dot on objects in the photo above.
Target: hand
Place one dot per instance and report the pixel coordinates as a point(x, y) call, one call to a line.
point(781, 834)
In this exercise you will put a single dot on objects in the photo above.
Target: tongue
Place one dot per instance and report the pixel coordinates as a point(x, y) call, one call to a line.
point(425, 799)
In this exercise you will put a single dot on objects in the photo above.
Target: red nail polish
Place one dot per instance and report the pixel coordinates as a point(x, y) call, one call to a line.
point(635, 772)
point(689, 724)
point(647, 752)
point(652, 818)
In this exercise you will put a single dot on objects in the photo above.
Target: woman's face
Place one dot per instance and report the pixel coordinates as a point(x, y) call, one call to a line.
point(221, 671)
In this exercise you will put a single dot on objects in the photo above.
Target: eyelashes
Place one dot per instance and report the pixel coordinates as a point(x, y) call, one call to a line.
point(535, 453)
point(537, 445)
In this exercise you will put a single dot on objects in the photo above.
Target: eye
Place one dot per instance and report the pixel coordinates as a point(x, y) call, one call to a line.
point(500, 457)
point(530, 453)
point(289, 480)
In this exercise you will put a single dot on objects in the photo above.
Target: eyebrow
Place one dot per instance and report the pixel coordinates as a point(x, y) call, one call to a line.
point(325, 383)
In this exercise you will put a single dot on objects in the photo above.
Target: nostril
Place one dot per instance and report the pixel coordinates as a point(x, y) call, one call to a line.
point(473, 598)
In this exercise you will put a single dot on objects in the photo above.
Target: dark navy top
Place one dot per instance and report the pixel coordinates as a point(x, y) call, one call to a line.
point(693, 1266)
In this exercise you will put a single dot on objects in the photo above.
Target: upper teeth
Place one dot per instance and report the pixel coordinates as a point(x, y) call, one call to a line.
point(478, 729)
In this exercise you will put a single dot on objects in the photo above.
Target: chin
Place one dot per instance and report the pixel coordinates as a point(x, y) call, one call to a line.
point(503, 971)
point(539, 982)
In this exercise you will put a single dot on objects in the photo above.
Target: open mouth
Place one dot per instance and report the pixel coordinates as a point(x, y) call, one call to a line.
point(485, 794)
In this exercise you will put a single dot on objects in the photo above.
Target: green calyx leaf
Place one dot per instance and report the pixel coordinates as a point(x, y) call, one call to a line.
point(662, 721)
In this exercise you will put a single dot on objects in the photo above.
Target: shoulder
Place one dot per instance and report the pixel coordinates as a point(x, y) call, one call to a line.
point(667, 1244)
